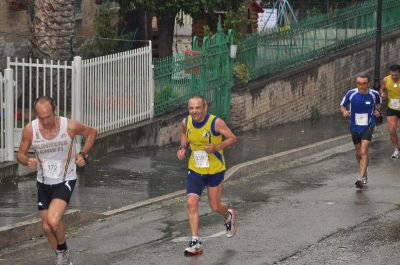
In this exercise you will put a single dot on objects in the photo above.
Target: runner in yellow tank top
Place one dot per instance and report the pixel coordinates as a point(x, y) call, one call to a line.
point(390, 90)
point(204, 136)
point(199, 135)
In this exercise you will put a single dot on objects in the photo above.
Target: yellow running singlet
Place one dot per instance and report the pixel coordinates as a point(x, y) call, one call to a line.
point(198, 135)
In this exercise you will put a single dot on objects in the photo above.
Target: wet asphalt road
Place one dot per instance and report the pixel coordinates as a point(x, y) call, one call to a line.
point(304, 212)
point(121, 179)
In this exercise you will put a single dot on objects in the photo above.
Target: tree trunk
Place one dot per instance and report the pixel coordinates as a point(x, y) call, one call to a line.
point(302, 14)
point(138, 21)
point(166, 24)
point(53, 29)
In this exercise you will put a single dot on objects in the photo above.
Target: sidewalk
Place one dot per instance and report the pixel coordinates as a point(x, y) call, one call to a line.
point(124, 178)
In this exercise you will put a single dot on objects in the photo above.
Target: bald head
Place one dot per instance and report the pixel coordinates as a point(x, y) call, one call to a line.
point(198, 98)
point(45, 100)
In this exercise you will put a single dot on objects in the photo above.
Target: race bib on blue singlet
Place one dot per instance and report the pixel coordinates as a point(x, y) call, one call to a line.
point(361, 119)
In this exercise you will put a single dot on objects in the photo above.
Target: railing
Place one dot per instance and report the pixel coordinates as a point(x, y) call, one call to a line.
point(107, 92)
point(34, 78)
point(117, 90)
point(204, 71)
point(6, 116)
point(275, 50)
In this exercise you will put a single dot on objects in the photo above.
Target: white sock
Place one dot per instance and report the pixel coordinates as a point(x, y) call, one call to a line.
point(195, 238)
point(229, 217)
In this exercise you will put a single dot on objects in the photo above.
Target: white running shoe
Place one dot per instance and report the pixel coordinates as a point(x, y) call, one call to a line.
point(396, 154)
point(194, 248)
point(231, 226)
point(365, 178)
point(62, 257)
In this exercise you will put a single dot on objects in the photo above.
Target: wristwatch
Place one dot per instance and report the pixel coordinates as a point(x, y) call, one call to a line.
point(85, 156)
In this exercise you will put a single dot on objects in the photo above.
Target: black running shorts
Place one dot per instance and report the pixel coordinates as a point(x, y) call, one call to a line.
point(392, 112)
point(46, 193)
point(364, 135)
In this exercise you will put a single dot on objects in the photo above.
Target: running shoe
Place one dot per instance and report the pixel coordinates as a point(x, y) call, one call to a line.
point(194, 248)
point(62, 257)
point(231, 224)
point(359, 183)
point(396, 154)
point(365, 178)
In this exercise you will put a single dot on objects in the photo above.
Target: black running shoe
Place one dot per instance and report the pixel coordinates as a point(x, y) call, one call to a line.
point(359, 184)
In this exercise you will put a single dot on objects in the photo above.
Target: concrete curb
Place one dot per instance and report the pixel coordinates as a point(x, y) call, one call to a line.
point(8, 171)
point(27, 230)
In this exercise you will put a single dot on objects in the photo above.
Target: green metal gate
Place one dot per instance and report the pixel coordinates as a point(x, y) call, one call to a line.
point(205, 71)
point(215, 78)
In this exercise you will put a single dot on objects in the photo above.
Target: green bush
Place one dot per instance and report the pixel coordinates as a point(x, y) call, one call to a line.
point(241, 73)
point(164, 99)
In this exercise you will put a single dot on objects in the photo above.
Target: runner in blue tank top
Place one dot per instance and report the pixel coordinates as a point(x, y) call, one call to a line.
point(361, 104)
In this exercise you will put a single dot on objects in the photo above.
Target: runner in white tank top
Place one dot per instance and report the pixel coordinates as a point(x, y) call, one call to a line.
point(52, 139)
point(56, 156)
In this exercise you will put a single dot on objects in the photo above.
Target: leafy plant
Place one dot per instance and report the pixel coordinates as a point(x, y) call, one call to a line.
point(207, 31)
point(164, 98)
point(108, 38)
point(315, 113)
point(241, 73)
point(238, 21)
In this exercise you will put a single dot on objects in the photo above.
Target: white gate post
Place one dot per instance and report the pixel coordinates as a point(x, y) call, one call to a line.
point(151, 77)
point(9, 114)
point(77, 96)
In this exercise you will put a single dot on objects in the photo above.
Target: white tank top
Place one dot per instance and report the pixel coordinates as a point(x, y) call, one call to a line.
point(56, 157)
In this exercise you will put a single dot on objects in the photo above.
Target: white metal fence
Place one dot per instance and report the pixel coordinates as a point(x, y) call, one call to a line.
point(106, 93)
point(6, 116)
point(117, 90)
point(40, 78)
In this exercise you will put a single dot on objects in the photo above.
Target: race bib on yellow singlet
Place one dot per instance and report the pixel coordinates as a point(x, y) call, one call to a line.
point(201, 159)
point(394, 103)
point(52, 168)
point(362, 119)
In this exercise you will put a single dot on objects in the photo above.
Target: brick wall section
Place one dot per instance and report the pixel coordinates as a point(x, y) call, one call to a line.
point(321, 84)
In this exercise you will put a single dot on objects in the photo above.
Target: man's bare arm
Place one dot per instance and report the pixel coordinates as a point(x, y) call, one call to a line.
point(26, 142)
point(90, 134)
point(229, 137)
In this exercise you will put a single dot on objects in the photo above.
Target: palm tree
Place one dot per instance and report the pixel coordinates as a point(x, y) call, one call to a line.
point(53, 29)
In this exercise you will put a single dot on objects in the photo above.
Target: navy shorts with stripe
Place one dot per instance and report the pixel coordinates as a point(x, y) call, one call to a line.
point(195, 182)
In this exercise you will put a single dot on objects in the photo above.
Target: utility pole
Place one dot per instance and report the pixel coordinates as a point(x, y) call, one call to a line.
point(378, 41)
point(377, 79)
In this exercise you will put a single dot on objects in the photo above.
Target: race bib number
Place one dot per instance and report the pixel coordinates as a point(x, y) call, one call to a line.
point(394, 103)
point(201, 159)
point(362, 119)
point(52, 168)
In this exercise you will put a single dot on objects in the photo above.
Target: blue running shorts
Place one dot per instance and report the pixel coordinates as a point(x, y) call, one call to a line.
point(195, 183)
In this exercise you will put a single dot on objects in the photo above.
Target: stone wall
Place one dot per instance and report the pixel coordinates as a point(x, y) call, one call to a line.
point(317, 87)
